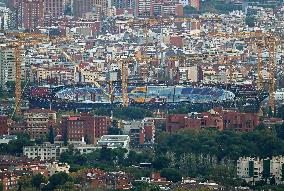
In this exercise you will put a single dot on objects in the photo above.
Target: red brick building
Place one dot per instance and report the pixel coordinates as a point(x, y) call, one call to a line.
point(86, 127)
point(149, 128)
point(3, 125)
point(32, 14)
point(215, 118)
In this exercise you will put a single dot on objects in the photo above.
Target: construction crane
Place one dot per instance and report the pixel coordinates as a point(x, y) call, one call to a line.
point(271, 45)
point(23, 39)
point(261, 40)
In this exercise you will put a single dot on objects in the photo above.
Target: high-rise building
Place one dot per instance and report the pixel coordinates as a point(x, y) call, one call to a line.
point(5, 18)
point(32, 14)
point(85, 127)
point(54, 8)
point(253, 170)
point(80, 7)
point(144, 8)
point(8, 66)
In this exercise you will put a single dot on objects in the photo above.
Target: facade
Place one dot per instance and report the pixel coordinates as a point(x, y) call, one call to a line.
point(32, 14)
point(81, 7)
point(137, 136)
point(150, 130)
point(144, 8)
point(85, 127)
point(121, 141)
point(215, 118)
point(42, 152)
point(5, 18)
point(54, 8)
point(39, 122)
point(253, 170)
point(7, 65)
point(3, 125)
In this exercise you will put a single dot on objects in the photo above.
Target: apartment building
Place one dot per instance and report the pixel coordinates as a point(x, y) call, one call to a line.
point(5, 18)
point(253, 170)
point(32, 14)
point(7, 65)
point(85, 127)
point(42, 152)
point(54, 8)
point(38, 122)
point(80, 7)
point(3, 124)
point(215, 118)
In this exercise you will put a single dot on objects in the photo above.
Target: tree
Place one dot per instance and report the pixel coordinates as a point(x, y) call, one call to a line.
point(57, 180)
point(114, 131)
point(51, 135)
point(161, 162)
point(37, 180)
point(171, 174)
point(138, 186)
point(250, 21)
point(189, 10)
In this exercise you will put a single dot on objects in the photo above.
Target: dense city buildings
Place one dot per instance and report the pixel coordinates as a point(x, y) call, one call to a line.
point(161, 94)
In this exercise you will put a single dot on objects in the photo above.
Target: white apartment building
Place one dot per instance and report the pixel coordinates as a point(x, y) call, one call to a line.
point(121, 141)
point(5, 18)
point(255, 169)
point(43, 152)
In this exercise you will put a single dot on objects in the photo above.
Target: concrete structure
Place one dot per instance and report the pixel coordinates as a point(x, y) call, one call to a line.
point(253, 170)
point(121, 141)
point(5, 139)
point(43, 152)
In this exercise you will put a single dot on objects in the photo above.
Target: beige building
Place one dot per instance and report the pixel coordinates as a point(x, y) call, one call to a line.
point(55, 167)
point(38, 122)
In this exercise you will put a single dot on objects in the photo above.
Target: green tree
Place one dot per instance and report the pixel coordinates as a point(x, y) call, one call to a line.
point(51, 135)
point(250, 21)
point(189, 10)
point(37, 180)
point(57, 180)
point(139, 186)
point(171, 174)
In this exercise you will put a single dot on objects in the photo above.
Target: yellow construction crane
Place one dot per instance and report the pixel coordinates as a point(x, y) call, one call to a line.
point(260, 40)
point(23, 39)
